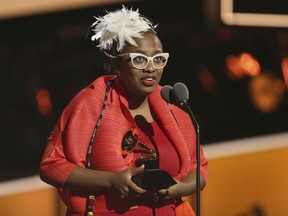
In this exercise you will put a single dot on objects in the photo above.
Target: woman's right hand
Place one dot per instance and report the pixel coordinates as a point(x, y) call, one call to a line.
point(122, 184)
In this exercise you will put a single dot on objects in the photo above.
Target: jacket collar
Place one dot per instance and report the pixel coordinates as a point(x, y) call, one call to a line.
point(167, 120)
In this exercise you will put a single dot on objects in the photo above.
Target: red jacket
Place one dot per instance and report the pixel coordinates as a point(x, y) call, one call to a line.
point(67, 146)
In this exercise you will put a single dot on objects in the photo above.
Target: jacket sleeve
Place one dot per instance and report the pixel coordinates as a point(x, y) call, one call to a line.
point(68, 143)
point(54, 166)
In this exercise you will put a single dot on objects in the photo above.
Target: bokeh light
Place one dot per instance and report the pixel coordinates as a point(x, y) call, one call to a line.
point(245, 64)
point(285, 71)
point(44, 102)
point(266, 92)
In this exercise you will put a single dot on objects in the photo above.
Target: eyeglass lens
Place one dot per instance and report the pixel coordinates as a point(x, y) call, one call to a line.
point(140, 61)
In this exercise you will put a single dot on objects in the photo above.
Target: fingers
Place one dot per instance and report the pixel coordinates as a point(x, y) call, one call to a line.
point(134, 186)
point(124, 195)
point(124, 184)
point(137, 170)
point(139, 190)
point(165, 193)
point(132, 192)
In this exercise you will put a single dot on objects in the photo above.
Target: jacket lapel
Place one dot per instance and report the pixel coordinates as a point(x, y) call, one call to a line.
point(172, 130)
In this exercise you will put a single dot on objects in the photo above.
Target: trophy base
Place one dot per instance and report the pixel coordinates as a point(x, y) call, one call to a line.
point(150, 163)
point(153, 179)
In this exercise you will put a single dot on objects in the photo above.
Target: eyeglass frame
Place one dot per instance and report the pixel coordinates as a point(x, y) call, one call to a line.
point(149, 58)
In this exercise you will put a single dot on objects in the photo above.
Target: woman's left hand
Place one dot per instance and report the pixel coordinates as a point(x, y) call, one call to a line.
point(185, 188)
point(172, 192)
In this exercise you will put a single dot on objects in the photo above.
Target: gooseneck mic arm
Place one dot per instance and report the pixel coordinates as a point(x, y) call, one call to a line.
point(179, 95)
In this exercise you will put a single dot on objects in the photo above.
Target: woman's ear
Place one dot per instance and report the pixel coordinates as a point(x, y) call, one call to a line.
point(114, 67)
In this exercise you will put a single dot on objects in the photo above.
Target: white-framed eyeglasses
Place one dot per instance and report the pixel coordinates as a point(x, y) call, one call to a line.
point(141, 61)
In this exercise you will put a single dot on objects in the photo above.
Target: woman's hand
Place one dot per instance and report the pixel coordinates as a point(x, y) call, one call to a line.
point(96, 180)
point(173, 191)
point(124, 186)
point(181, 189)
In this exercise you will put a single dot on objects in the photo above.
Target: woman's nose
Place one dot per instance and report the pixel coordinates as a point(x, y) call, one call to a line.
point(150, 67)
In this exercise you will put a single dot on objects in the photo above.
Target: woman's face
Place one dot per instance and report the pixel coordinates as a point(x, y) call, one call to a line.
point(140, 82)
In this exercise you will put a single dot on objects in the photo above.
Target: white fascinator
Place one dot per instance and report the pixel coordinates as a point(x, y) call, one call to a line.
point(118, 28)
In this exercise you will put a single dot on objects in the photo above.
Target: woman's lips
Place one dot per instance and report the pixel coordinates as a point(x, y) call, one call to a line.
point(148, 81)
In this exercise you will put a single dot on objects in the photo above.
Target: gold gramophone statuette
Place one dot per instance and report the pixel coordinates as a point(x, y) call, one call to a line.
point(152, 178)
point(131, 143)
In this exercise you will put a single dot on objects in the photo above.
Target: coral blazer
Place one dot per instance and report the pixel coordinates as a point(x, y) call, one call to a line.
point(68, 144)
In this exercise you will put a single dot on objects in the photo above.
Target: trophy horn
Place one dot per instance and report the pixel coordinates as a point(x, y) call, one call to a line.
point(131, 143)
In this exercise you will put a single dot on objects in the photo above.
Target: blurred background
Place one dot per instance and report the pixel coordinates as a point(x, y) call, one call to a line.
point(232, 55)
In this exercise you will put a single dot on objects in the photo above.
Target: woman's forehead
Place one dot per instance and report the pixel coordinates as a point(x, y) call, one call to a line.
point(148, 42)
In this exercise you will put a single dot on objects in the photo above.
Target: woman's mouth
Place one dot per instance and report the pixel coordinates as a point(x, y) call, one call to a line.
point(148, 81)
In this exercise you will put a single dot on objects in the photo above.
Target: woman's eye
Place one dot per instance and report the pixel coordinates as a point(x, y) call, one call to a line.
point(159, 59)
point(139, 58)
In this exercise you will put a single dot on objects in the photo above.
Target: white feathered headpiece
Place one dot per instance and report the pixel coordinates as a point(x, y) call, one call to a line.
point(120, 26)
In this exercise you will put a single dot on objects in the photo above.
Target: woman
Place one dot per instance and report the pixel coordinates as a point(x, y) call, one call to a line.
point(85, 158)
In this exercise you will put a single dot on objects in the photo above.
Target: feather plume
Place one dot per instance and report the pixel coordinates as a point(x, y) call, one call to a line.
point(120, 26)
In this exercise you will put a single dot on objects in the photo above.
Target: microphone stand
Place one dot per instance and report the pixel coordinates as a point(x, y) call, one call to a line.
point(197, 129)
point(178, 95)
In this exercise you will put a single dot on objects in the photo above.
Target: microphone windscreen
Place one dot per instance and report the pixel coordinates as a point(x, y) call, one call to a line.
point(181, 92)
point(166, 93)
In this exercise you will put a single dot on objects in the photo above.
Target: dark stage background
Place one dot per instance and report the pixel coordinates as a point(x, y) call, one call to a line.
point(46, 59)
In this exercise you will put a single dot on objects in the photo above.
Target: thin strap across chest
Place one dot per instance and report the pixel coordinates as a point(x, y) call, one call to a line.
point(91, 197)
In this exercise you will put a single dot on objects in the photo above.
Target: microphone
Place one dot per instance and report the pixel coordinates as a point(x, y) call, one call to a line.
point(181, 92)
point(166, 93)
point(179, 95)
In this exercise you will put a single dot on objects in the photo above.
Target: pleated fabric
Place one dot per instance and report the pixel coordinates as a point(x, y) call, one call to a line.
point(67, 146)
